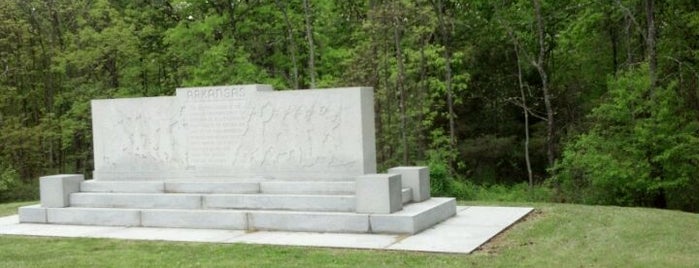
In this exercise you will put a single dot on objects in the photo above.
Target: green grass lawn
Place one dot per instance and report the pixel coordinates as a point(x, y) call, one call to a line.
point(555, 235)
point(11, 208)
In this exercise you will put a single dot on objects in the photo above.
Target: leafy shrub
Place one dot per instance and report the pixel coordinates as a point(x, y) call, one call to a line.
point(514, 193)
point(642, 150)
point(14, 189)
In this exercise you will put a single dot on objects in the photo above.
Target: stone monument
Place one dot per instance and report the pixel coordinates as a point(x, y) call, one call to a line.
point(241, 157)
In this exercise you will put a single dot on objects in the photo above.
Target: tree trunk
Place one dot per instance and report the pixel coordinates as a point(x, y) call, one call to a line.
point(292, 46)
point(525, 110)
point(420, 94)
point(401, 89)
point(650, 43)
point(311, 46)
point(447, 67)
point(539, 64)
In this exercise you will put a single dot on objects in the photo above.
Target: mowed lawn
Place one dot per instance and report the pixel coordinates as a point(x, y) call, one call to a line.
point(555, 235)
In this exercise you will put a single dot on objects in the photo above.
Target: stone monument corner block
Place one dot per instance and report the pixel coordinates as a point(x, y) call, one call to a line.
point(55, 190)
point(416, 178)
point(378, 193)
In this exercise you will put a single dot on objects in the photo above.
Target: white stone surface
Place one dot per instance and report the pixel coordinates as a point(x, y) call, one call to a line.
point(460, 234)
point(308, 187)
point(208, 187)
point(135, 135)
point(280, 202)
point(136, 200)
point(9, 220)
point(366, 241)
point(464, 232)
point(206, 219)
point(237, 131)
point(414, 217)
point(489, 216)
point(416, 178)
point(302, 221)
point(33, 213)
point(56, 230)
point(122, 186)
point(447, 239)
point(406, 195)
point(378, 193)
point(172, 234)
point(94, 216)
point(55, 190)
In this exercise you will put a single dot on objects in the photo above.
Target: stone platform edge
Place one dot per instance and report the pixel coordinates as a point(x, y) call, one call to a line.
point(414, 218)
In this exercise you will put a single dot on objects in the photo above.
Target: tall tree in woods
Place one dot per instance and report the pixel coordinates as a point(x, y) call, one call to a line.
point(540, 65)
point(444, 36)
point(311, 46)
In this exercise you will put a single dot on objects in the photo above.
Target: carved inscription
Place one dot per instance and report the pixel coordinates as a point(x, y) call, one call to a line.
point(216, 119)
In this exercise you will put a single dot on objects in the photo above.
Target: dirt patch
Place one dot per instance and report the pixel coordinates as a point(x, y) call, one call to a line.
point(500, 242)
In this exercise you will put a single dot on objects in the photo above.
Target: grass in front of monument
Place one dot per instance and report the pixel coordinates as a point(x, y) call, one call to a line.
point(11, 208)
point(555, 235)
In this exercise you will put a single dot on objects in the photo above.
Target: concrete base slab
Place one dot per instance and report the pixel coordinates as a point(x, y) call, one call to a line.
point(35, 229)
point(333, 240)
point(463, 233)
point(472, 227)
point(173, 234)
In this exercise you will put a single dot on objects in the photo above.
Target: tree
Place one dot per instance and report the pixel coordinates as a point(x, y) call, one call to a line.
point(637, 149)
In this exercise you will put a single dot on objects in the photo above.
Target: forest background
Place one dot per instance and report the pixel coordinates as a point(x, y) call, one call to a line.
point(529, 100)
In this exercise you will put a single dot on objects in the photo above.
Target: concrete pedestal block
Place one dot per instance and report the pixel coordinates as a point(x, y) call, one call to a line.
point(414, 217)
point(32, 214)
point(55, 190)
point(417, 178)
point(378, 193)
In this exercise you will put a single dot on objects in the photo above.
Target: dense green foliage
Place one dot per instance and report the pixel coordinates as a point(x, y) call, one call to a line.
point(467, 87)
point(554, 235)
point(642, 149)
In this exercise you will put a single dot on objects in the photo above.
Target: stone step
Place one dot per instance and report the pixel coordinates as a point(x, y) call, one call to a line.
point(414, 218)
point(136, 200)
point(308, 187)
point(221, 187)
point(212, 187)
point(280, 202)
point(94, 216)
point(171, 186)
point(122, 186)
point(214, 201)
